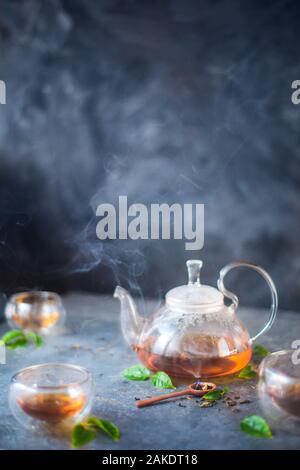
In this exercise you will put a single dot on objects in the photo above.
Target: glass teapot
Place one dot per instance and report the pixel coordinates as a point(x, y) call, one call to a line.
point(193, 333)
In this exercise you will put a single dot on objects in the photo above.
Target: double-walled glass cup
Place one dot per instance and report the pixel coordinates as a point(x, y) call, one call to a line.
point(38, 311)
point(51, 394)
point(279, 389)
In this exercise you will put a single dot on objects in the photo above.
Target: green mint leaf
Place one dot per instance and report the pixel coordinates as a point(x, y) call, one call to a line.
point(260, 351)
point(213, 395)
point(137, 372)
point(256, 426)
point(216, 394)
point(162, 380)
point(18, 339)
point(12, 334)
point(82, 434)
point(106, 426)
point(35, 338)
point(18, 343)
point(85, 432)
point(247, 373)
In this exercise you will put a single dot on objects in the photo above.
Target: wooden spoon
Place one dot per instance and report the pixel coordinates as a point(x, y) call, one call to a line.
point(197, 389)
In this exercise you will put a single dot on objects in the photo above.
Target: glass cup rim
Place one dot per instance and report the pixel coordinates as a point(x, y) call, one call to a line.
point(40, 294)
point(266, 365)
point(86, 376)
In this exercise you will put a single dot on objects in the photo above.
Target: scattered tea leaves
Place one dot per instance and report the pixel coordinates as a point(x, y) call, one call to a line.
point(231, 402)
point(137, 372)
point(162, 380)
point(85, 432)
point(247, 373)
point(256, 426)
point(216, 394)
point(14, 339)
point(207, 403)
point(245, 402)
point(260, 351)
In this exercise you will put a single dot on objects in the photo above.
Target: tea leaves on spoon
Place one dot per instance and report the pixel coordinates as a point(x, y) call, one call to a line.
point(162, 380)
point(216, 394)
point(260, 351)
point(14, 339)
point(247, 373)
point(137, 372)
point(256, 426)
point(85, 432)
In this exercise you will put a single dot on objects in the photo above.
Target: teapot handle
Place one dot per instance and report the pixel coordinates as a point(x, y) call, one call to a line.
point(235, 300)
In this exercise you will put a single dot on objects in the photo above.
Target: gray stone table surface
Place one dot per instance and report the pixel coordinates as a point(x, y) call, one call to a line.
point(92, 338)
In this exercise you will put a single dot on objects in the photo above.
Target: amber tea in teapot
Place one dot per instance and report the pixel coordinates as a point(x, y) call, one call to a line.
point(185, 365)
point(193, 333)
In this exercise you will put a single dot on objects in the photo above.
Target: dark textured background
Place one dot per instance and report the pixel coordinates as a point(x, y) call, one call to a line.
point(163, 101)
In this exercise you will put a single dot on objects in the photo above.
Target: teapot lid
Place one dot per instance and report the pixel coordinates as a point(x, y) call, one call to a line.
point(195, 295)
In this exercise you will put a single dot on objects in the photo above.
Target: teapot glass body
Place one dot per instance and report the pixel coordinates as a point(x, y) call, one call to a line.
point(193, 333)
point(194, 344)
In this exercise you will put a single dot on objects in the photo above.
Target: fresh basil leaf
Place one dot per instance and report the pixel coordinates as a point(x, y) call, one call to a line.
point(82, 434)
point(106, 426)
point(137, 372)
point(216, 394)
point(247, 373)
point(12, 334)
point(36, 339)
point(162, 380)
point(256, 426)
point(260, 351)
point(18, 343)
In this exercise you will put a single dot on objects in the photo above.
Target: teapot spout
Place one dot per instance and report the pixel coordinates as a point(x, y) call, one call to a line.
point(131, 322)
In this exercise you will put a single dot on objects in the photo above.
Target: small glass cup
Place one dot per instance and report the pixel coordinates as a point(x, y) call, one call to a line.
point(279, 390)
point(51, 394)
point(37, 311)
